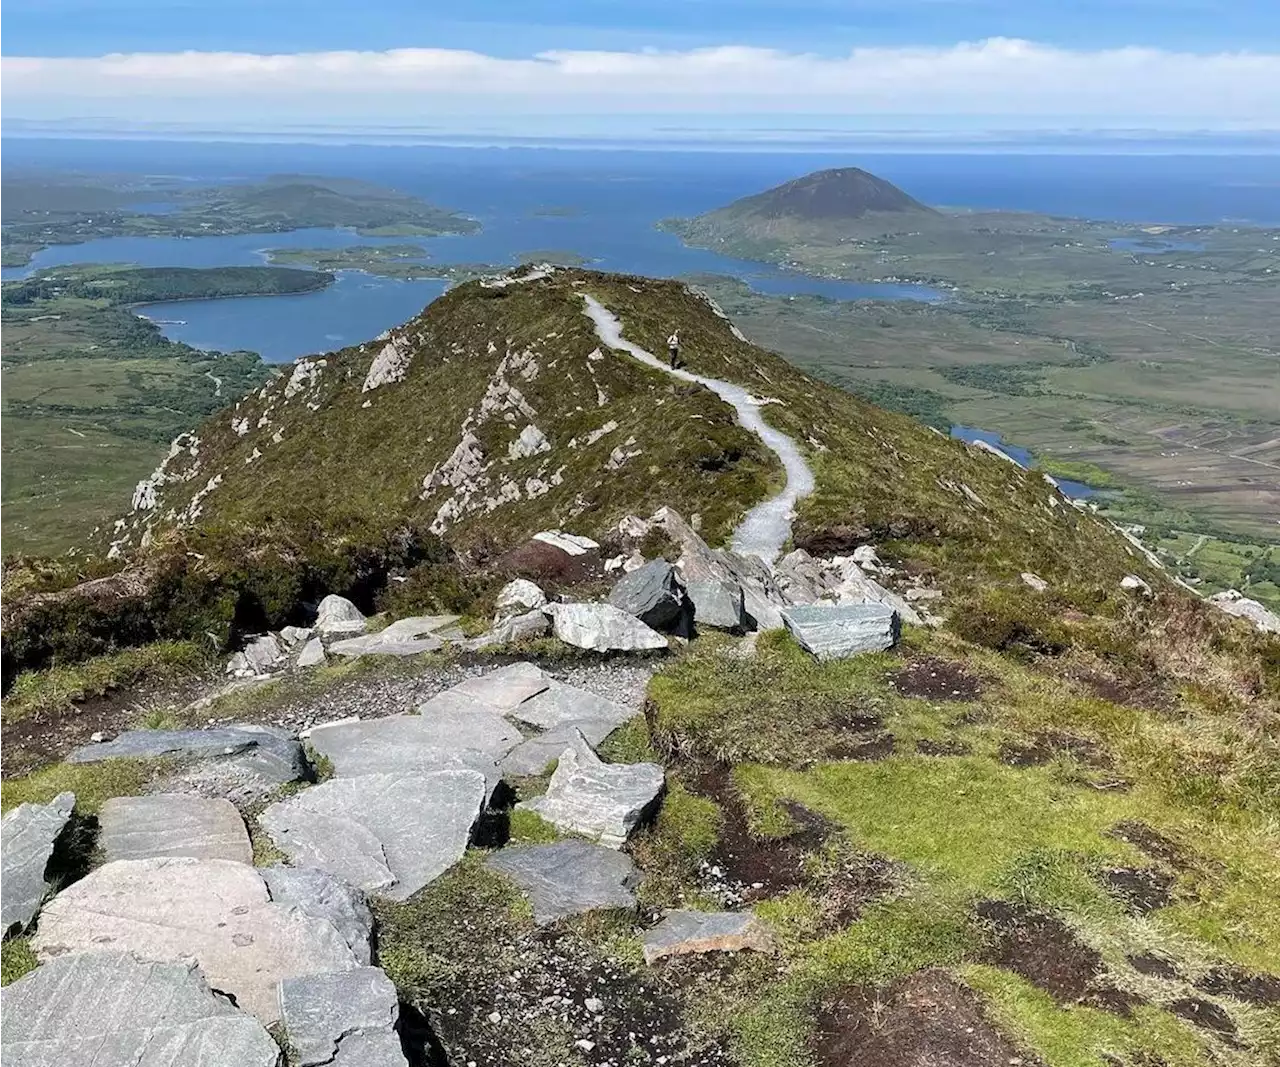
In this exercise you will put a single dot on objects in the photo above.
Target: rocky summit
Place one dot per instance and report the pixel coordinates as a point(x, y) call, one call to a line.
point(498, 693)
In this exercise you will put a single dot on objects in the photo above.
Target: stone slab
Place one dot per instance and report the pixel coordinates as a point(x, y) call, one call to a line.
point(602, 801)
point(839, 631)
point(502, 690)
point(384, 644)
point(320, 895)
point(532, 757)
point(27, 836)
point(569, 877)
point(261, 752)
point(111, 1009)
point(312, 654)
point(385, 833)
point(718, 603)
point(563, 705)
point(323, 1012)
point(684, 932)
point(138, 828)
point(216, 911)
point(602, 628)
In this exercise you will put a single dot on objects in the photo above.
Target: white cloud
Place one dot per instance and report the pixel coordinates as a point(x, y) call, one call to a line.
point(994, 78)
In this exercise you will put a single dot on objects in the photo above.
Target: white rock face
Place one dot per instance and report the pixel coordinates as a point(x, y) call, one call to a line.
point(111, 1009)
point(530, 442)
point(602, 628)
point(306, 372)
point(1233, 602)
point(385, 833)
point(337, 615)
point(390, 365)
point(602, 801)
point(519, 597)
point(1034, 581)
point(1132, 583)
point(570, 544)
point(216, 911)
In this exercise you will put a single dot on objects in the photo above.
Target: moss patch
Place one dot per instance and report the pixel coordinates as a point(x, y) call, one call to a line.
point(92, 783)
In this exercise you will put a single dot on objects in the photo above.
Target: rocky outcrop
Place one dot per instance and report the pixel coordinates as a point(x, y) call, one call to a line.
point(602, 628)
point(830, 631)
point(28, 834)
point(601, 801)
point(569, 877)
point(653, 593)
point(1233, 602)
point(112, 1009)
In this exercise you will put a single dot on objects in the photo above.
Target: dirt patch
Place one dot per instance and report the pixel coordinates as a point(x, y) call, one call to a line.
point(551, 567)
point(1234, 982)
point(858, 734)
point(1160, 848)
point(1154, 966)
point(937, 679)
point(925, 1020)
point(942, 748)
point(872, 747)
point(1206, 1015)
point(1048, 746)
point(1046, 953)
point(1151, 695)
point(1141, 889)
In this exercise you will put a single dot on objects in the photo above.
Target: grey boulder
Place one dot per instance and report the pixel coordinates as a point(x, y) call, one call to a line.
point(318, 894)
point(685, 932)
point(569, 877)
point(718, 602)
point(139, 828)
point(27, 836)
point(602, 628)
point(346, 1019)
point(111, 1009)
point(653, 593)
point(518, 598)
point(602, 801)
point(517, 628)
point(385, 833)
point(260, 656)
point(257, 751)
point(217, 911)
point(337, 615)
point(312, 654)
point(833, 631)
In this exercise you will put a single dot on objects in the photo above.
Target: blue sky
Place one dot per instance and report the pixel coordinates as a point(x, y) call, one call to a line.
point(519, 27)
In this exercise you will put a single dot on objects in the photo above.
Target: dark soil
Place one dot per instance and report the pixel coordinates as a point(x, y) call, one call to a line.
point(872, 747)
point(858, 735)
point(1047, 746)
point(1206, 1015)
point(551, 567)
point(1154, 966)
point(937, 679)
point(1160, 848)
point(942, 748)
point(1141, 889)
point(1234, 982)
point(1148, 692)
point(1046, 953)
point(925, 1020)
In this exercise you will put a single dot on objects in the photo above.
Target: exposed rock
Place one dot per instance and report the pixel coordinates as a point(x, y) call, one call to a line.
point(562, 705)
point(518, 627)
point(320, 895)
point(685, 932)
point(570, 544)
point(387, 833)
point(519, 597)
point(383, 643)
point(216, 911)
point(653, 594)
point(762, 599)
point(838, 631)
point(293, 638)
point(260, 656)
point(253, 751)
point(337, 615)
point(502, 690)
point(865, 557)
point(1233, 602)
point(531, 442)
point(1132, 583)
point(111, 1009)
point(1035, 581)
point(603, 801)
point(312, 654)
point(569, 877)
point(718, 602)
point(801, 578)
point(602, 628)
point(27, 836)
point(172, 824)
point(327, 1015)
point(533, 756)
point(856, 588)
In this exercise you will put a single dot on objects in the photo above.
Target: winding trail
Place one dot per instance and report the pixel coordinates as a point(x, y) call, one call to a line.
point(767, 526)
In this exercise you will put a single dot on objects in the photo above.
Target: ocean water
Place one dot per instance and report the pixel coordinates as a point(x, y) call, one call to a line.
point(602, 205)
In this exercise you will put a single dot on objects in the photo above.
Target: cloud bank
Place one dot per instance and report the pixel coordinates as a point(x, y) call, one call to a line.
point(1002, 81)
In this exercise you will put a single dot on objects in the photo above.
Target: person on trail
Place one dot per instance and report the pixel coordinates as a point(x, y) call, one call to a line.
point(673, 346)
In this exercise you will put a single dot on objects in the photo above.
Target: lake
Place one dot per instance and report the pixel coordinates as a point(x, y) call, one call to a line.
point(970, 434)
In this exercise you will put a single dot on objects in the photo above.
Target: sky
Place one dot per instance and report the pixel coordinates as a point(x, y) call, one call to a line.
point(761, 70)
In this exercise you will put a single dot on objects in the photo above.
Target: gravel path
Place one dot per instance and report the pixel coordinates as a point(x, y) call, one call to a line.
point(767, 526)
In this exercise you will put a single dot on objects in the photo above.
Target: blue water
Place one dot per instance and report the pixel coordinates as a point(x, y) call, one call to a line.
point(1074, 490)
point(1154, 246)
point(618, 196)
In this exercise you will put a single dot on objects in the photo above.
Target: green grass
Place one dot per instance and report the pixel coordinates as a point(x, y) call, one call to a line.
point(530, 828)
point(685, 833)
point(16, 959)
point(92, 783)
point(60, 688)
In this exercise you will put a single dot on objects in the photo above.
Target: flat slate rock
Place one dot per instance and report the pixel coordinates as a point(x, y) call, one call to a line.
point(27, 836)
point(504, 689)
point(602, 628)
point(532, 757)
point(320, 895)
point(653, 593)
point(312, 654)
point(323, 1012)
point(216, 911)
point(384, 644)
point(718, 603)
point(139, 828)
point(569, 877)
point(684, 932)
point(111, 1009)
point(562, 705)
point(839, 631)
point(602, 801)
point(258, 751)
point(385, 833)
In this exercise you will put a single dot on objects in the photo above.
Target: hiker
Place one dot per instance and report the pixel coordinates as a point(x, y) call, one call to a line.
point(673, 346)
